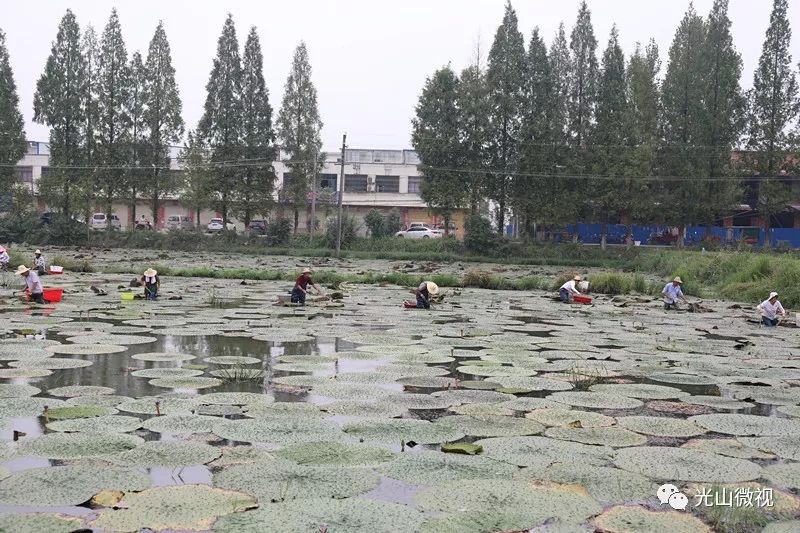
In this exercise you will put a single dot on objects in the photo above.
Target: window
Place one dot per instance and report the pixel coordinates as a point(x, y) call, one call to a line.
point(45, 171)
point(328, 181)
point(410, 157)
point(24, 174)
point(413, 184)
point(33, 148)
point(355, 183)
point(387, 183)
point(387, 156)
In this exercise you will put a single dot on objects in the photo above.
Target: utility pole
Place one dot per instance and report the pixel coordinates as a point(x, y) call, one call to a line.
point(314, 198)
point(339, 200)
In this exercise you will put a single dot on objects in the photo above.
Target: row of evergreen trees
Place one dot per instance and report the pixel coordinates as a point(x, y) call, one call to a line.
point(553, 136)
point(113, 118)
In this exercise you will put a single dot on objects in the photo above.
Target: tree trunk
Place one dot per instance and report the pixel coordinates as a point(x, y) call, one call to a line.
point(500, 217)
point(296, 219)
point(446, 225)
point(681, 232)
point(603, 235)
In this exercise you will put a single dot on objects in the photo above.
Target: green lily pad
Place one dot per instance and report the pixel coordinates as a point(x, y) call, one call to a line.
point(542, 451)
point(98, 424)
point(490, 426)
point(393, 431)
point(718, 402)
point(160, 357)
point(365, 409)
point(527, 403)
point(565, 417)
point(86, 349)
point(428, 468)
point(682, 379)
point(605, 484)
point(281, 480)
point(462, 448)
point(481, 409)
point(495, 370)
point(168, 454)
point(39, 523)
point(783, 526)
point(636, 519)
point(606, 436)
point(79, 390)
point(11, 373)
point(186, 383)
point(279, 430)
point(352, 515)
point(178, 424)
point(595, 400)
point(237, 455)
point(78, 445)
point(334, 454)
point(660, 426)
point(231, 360)
point(423, 358)
point(104, 400)
point(178, 507)
point(67, 485)
point(350, 391)
point(22, 407)
point(235, 398)
point(747, 425)
point(529, 384)
point(167, 406)
point(67, 412)
point(153, 373)
point(786, 446)
point(728, 447)
point(278, 409)
point(111, 339)
point(458, 397)
point(683, 464)
point(427, 382)
point(51, 363)
point(640, 390)
point(417, 401)
point(9, 390)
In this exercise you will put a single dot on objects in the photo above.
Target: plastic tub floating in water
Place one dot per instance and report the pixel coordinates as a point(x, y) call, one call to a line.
point(50, 295)
point(126, 296)
point(581, 299)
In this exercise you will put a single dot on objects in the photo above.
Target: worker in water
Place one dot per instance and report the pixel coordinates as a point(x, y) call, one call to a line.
point(672, 293)
point(569, 289)
point(32, 284)
point(769, 309)
point(424, 293)
point(38, 262)
point(4, 259)
point(151, 283)
point(300, 289)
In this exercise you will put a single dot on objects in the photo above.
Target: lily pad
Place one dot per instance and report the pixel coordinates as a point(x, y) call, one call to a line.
point(428, 468)
point(482, 409)
point(51, 363)
point(334, 454)
point(786, 446)
point(490, 426)
point(641, 391)
point(463, 448)
point(728, 447)
point(86, 349)
point(9, 390)
point(79, 390)
point(168, 454)
point(528, 403)
point(542, 451)
point(605, 484)
point(660, 426)
point(279, 430)
point(98, 424)
point(606, 436)
point(166, 406)
point(636, 519)
point(11, 373)
point(162, 356)
point(153, 373)
point(365, 409)
point(181, 424)
point(747, 425)
point(22, 407)
point(39, 523)
point(235, 398)
point(718, 402)
point(237, 455)
point(67, 412)
point(394, 431)
point(566, 417)
point(78, 445)
point(595, 400)
point(186, 383)
point(281, 480)
point(178, 507)
point(67, 485)
point(683, 464)
point(352, 515)
point(231, 360)
point(418, 401)
point(278, 409)
point(457, 397)
point(111, 339)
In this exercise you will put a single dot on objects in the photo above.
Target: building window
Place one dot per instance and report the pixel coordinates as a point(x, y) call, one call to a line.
point(387, 183)
point(24, 174)
point(327, 181)
point(413, 184)
point(33, 148)
point(45, 171)
point(355, 183)
point(410, 157)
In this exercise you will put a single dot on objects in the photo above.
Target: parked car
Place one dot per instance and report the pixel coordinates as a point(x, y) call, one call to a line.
point(175, 222)
point(439, 228)
point(216, 225)
point(257, 227)
point(418, 232)
point(99, 221)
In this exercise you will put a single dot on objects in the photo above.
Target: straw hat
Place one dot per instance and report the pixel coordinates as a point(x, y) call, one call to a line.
point(772, 295)
point(149, 273)
point(22, 269)
point(678, 280)
point(577, 278)
point(306, 271)
point(433, 289)
point(38, 252)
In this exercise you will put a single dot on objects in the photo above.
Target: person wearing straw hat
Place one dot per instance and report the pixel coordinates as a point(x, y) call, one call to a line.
point(300, 289)
point(672, 293)
point(32, 284)
point(4, 259)
point(769, 309)
point(38, 262)
point(424, 292)
point(151, 283)
point(569, 289)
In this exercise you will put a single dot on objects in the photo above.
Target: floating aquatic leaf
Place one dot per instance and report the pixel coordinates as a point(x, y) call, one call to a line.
point(279, 431)
point(51, 363)
point(277, 409)
point(566, 417)
point(595, 400)
point(186, 383)
point(235, 398)
point(786, 446)
point(67, 485)
point(728, 447)
point(636, 519)
point(641, 391)
point(11, 373)
point(219, 410)
point(22, 407)
point(605, 436)
point(683, 464)
point(350, 391)
point(529, 384)
point(334, 454)
point(718, 402)
point(543, 451)
point(393, 431)
point(365, 409)
point(168, 454)
point(528, 403)
point(104, 400)
point(67, 412)
point(682, 379)
point(660, 426)
point(152, 373)
point(181, 424)
point(98, 424)
point(74, 391)
point(427, 382)
point(457, 397)
point(8, 390)
point(423, 358)
point(747, 425)
point(86, 349)
point(482, 409)
point(783, 526)
point(790, 410)
point(39, 523)
point(179, 507)
point(78, 445)
point(163, 356)
point(418, 401)
point(166, 405)
point(428, 468)
point(281, 480)
point(352, 515)
point(495, 370)
point(231, 360)
point(155, 322)
point(236, 455)
point(608, 485)
point(111, 339)
point(490, 426)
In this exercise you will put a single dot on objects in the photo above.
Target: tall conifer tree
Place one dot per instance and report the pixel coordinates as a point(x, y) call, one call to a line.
point(12, 135)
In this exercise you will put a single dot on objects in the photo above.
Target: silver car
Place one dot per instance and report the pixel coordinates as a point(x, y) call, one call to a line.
point(175, 222)
point(418, 232)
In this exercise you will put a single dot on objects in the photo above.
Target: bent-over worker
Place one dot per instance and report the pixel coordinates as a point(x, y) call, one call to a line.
point(300, 289)
point(770, 308)
point(672, 293)
point(32, 284)
point(4, 259)
point(569, 289)
point(38, 262)
point(151, 283)
point(424, 292)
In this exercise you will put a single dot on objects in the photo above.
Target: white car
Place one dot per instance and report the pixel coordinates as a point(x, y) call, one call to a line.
point(418, 232)
point(99, 221)
point(216, 224)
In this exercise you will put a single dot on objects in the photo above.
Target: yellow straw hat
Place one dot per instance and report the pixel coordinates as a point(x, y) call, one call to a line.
point(149, 273)
point(678, 280)
point(22, 269)
point(433, 288)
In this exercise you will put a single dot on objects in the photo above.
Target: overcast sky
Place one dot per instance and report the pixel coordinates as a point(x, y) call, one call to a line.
point(369, 58)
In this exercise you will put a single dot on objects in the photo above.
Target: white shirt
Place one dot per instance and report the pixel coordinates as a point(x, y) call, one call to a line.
point(33, 283)
point(39, 261)
point(771, 310)
point(570, 286)
point(671, 293)
point(4, 258)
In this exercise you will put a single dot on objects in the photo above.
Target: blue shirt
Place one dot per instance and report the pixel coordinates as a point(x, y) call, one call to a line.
point(672, 293)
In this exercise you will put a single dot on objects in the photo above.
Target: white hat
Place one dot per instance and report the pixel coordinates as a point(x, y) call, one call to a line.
point(772, 295)
point(306, 270)
point(678, 280)
point(577, 277)
point(22, 269)
point(38, 252)
point(149, 273)
point(433, 288)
